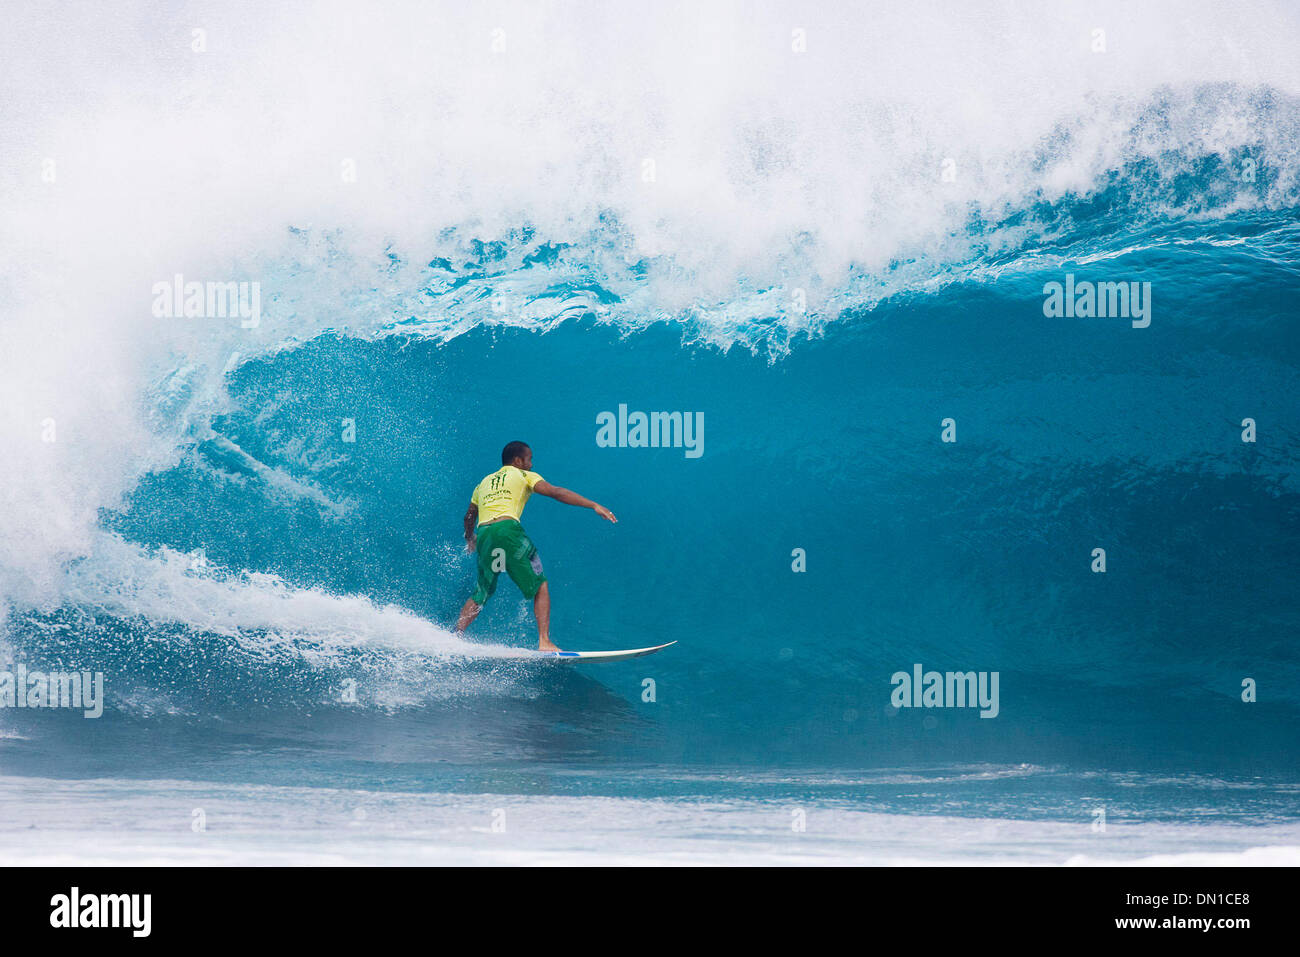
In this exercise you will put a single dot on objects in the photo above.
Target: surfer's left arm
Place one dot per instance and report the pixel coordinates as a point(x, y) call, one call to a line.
point(471, 520)
point(573, 498)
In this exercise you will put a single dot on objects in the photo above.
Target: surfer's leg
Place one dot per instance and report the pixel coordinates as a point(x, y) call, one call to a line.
point(542, 611)
point(468, 612)
point(490, 557)
point(524, 566)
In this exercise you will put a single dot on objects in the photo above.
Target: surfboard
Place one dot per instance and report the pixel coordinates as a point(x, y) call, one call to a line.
point(600, 655)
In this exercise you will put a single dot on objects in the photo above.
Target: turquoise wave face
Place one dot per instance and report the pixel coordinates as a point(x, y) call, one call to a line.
point(816, 537)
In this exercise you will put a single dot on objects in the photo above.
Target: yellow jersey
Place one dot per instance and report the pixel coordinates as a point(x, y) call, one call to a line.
point(504, 493)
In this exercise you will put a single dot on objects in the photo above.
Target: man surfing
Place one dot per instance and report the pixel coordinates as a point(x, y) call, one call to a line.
point(501, 542)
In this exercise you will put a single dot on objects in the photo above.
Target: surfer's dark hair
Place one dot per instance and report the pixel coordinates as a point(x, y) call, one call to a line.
point(513, 451)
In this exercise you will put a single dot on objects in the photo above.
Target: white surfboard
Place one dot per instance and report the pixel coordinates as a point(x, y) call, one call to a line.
point(600, 655)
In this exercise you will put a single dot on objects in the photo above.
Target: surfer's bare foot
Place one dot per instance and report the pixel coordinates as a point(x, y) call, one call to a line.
point(547, 645)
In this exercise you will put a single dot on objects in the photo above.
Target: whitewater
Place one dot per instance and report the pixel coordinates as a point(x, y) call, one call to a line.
point(825, 230)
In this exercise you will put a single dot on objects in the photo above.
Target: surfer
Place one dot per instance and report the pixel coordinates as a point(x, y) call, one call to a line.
point(501, 542)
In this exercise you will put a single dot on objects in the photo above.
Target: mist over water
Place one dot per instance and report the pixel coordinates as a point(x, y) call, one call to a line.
point(558, 209)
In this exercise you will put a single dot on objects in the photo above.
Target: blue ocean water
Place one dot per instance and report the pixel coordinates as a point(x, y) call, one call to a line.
point(262, 551)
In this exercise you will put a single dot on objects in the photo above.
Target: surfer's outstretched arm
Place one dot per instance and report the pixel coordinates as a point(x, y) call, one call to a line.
point(573, 498)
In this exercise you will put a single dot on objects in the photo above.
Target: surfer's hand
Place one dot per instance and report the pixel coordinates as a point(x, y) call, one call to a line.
point(471, 545)
point(605, 513)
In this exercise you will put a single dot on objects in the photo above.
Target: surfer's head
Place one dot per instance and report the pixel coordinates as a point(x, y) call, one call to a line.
point(519, 454)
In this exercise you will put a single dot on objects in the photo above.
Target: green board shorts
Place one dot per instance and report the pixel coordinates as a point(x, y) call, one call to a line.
point(505, 546)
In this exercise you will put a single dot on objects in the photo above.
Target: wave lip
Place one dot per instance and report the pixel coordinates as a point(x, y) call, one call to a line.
point(748, 191)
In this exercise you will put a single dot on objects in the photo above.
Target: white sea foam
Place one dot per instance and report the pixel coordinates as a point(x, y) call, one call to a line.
point(143, 823)
point(165, 586)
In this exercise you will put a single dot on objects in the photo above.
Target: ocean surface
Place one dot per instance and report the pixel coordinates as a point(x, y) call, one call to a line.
point(473, 226)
